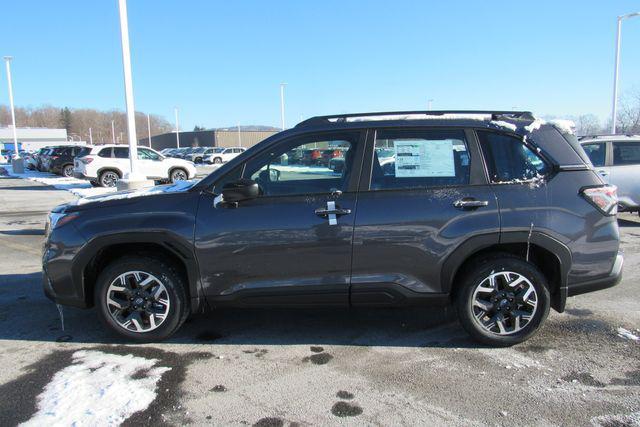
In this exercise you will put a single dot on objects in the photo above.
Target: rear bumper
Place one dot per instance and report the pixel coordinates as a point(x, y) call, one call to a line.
point(80, 175)
point(602, 283)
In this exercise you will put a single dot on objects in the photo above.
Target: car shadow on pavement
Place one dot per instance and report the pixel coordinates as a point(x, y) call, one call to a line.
point(627, 223)
point(27, 315)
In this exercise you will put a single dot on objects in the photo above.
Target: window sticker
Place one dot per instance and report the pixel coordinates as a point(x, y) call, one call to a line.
point(422, 158)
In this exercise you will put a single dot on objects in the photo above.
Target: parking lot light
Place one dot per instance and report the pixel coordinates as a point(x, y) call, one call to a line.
point(614, 109)
point(17, 164)
point(282, 85)
point(175, 110)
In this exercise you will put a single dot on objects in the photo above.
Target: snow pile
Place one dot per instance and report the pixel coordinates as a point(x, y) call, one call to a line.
point(630, 420)
point(445, 116)
point(98, 389)
point(148, 191)
point(504, 125)
point(79, 187)
point(535, 125)
point(625, 333)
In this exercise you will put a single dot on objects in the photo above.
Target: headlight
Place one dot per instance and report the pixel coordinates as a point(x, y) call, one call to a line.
point(59, 219)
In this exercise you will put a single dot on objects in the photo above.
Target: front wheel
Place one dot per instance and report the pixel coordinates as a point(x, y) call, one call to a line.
point(108, 178)
point(217, 160)
point(178, 175)
point(141, 298)
point(503, 300)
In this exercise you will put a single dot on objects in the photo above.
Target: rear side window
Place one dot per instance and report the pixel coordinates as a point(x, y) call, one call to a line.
point(626, 153)
point(121, 152)
point(509, 159)
point(105, 152)
point(419, 159)
point(596, 153)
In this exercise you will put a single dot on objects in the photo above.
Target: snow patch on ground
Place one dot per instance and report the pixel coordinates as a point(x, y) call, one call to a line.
point(627, 334)
point(98, 389)
point(79, 187)
point(631, 420)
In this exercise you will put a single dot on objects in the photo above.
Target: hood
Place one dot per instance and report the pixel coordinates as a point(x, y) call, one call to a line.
point(93, 201)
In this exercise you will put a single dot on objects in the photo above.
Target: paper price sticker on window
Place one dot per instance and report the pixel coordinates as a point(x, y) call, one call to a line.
point(422, 158)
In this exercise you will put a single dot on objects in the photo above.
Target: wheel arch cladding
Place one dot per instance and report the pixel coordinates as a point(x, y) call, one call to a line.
point(551, 257)
point(106, 251)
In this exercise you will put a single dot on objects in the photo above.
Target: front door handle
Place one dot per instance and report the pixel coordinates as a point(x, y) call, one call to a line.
point(603, 172)
point(332, 212)
point(470, 203)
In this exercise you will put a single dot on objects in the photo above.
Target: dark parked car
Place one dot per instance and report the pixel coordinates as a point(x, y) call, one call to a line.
point(311, 157)
point(497, 213)
point(61, 158)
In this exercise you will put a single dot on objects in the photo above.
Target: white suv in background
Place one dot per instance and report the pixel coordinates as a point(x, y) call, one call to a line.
point(220, 155)
point(617, 159)
point(106, 164)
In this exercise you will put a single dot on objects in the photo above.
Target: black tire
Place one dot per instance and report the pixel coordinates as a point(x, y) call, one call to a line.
point(178, 174)
point(173, 282)
point(197, 160)
point(67, 171)
point(217, 160)
point(480, 271)
point(94, 183)
point(106, 178)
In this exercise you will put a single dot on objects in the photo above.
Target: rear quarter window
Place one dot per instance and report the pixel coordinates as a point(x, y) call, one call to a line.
point(626, 153)
point(509, 159)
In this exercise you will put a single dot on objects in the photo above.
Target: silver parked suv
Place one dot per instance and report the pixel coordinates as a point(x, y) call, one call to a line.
point(617, 159)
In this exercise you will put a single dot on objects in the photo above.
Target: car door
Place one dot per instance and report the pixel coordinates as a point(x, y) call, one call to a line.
point(597, 152)
point(292, 244)
point(151, 163)
point(121, 160)
point(625, 173)
point(426, 198)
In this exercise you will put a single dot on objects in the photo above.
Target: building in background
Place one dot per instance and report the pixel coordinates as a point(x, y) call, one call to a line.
point(31, 139)
point(208, 138)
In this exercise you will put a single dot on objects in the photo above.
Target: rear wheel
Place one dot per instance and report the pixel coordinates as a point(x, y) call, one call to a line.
point(141, 298)
point(67, 171)
point(108, 178)
point(503, 300)
point(217, 160)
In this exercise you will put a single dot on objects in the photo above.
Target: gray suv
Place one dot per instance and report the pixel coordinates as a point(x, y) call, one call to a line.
point(497, 213)
point(617, 159)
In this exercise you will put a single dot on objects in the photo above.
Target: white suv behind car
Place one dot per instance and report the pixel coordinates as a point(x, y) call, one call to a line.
point(106, 164)
point(220, 155)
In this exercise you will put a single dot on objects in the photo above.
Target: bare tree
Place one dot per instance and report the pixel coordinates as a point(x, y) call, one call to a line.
point(628, 120)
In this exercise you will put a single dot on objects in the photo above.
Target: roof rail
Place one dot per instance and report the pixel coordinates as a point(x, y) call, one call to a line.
point(402, 115)
point(608, 135)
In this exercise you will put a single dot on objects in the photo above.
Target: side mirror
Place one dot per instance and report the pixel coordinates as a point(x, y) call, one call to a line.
point(242, 189)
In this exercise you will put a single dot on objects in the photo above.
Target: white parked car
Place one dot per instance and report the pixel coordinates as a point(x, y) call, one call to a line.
point(220, 155)
point(106, 164)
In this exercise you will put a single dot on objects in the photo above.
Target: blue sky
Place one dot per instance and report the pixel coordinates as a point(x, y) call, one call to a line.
point(221, 62)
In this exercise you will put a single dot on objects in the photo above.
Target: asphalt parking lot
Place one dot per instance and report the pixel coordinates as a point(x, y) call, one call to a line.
point(326, 367)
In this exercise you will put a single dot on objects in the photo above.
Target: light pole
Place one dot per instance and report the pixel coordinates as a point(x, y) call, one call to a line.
point(614, 108)
point(90, 137)
point(175, 110)
point(133, 179)
point(149, 127)
point(113, 132)
point(282, 85)
point(239, 136)
point(429, 103)
point(16, 162)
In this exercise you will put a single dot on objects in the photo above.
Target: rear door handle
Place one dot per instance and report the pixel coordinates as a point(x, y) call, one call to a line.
point(603, 172)
point(470, 204)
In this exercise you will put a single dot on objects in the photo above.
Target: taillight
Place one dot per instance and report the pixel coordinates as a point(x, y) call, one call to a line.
point(605, 198)
point(86, 160)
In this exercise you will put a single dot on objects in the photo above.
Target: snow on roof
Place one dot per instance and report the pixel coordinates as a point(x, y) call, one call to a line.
point(564, 126)
point(504, 125)
point(419, 116)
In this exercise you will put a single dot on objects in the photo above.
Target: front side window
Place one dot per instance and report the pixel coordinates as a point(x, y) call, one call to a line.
point(596, 153)
point(626, 153)
point(419, 159)
point(282, 172)
point(145, 154)
point(509, 159)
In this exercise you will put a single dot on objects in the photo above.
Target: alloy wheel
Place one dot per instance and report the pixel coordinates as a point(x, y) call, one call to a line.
point(178, 175)
point(109, 179)
point(504, 303)
point(67, 171)
point(138, 301)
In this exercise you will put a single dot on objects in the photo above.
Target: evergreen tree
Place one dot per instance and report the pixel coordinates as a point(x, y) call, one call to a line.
point(65, 119)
